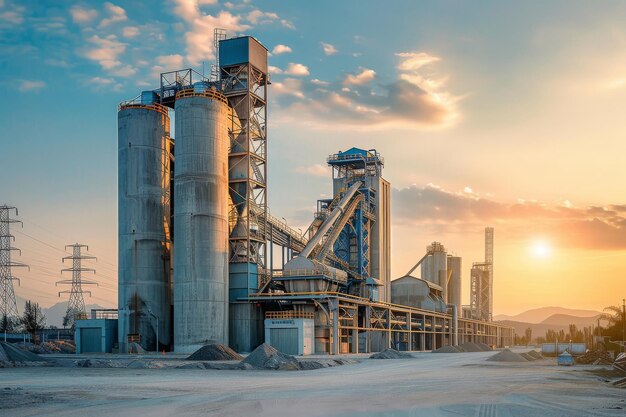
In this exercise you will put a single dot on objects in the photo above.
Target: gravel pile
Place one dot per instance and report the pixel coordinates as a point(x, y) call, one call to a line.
point(391, 354)
point(267, 357)
point(485, 347)
point(10, 353)
point(526, 356)
point(98, 363)
point(215, 352)
point(473, 347)
point(447, 349)
point(507, 356)
point(535, 354)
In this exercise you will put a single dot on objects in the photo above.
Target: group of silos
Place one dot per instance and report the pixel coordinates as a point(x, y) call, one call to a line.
point(173, 258)
point(444, 270)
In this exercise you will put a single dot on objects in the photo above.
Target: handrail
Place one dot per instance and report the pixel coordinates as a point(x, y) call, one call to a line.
point(212, 94)
point(152, 106)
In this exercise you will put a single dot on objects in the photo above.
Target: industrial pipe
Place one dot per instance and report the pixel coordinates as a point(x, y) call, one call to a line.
point(455, 324)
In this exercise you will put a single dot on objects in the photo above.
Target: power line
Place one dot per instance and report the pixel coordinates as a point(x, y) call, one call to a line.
point(76, 304)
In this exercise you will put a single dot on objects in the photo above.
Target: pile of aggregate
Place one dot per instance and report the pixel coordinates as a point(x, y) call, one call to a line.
point(391, 354)
point(507, 356)
point(267, 357)
point(136, 348)
point(485, 347)
point(11, 355)
point(98, 363)
point(536, 355)
point(33, 348)
point(215, 352)
point(447, 349)
point(526, 356)
point(473, 347)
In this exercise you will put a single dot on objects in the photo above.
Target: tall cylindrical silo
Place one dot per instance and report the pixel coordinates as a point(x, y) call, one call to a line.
point(144, 294)
point(454, 288)
point(201, 219)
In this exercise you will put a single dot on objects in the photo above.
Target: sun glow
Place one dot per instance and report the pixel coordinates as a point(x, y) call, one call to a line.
point(541, 249)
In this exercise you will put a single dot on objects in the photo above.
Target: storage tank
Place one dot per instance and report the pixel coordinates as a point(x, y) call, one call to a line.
point(143, 222)
point(454, 287)
point(201, 219)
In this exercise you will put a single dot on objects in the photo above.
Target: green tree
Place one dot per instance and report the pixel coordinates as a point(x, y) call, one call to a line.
point(33, 319)
point(528, 333)
point(8, 324)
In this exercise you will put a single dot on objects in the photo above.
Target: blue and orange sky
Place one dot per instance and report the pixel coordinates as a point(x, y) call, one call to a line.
point(508, 114)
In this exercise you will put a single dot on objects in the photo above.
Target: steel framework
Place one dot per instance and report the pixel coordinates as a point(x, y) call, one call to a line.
point(245, 86)
point(8, 304)
point(76, 304)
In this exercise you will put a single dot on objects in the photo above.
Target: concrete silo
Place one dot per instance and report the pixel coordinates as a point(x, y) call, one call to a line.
point(454, 283)
point(200, 254)
point(144, 225)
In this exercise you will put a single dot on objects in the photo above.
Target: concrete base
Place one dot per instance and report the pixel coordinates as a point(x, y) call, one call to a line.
point(246, 326)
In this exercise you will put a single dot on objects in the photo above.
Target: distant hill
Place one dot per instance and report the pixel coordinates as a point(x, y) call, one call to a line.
point(539, 315)
point(54, 314)
point(566, 320)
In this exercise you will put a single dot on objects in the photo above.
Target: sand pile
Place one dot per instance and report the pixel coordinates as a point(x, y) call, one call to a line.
point(507, 356)
point(98, 363)
point(391, 354)
point(535, 354)
point(215, 352)
point(267, 357)
point(10, 353)
point(136, 348)
point(485, 347)
point(471, 347)
point(447, 349)
point(526, 356)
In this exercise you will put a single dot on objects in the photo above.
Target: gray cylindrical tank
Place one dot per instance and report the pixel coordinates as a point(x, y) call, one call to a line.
point(454, 289)
point(201, 219)
point(144, 295)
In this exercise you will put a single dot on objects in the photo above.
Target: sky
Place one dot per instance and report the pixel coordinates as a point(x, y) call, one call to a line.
point(492, 113)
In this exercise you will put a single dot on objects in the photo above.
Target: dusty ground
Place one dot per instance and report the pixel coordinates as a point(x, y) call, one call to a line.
point(430, 385)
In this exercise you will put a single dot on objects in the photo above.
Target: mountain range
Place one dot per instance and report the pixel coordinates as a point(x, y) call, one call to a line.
point(539, 315)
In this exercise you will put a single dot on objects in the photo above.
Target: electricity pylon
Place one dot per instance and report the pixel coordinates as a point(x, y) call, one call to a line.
point(76, 304)
point(8, 305)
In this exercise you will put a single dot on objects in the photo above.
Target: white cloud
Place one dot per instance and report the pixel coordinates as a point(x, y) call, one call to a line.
point(317, 170)
point(124, 71)
point(172, 62)
point(274, 70)
point(365, 76)
point(31, 85)
point(286, 23)
point(328, 48)
point(130, 31)
point(258, 17)
point(413, 61)
point(281, 49)
point(297, 69)
point(288, 87)
point(106, 51)
point(319, 82)
point(82, 14)
point(56, 63)
point(116, 14)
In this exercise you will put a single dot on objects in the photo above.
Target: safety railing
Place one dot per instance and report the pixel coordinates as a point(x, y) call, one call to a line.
point(291, 314)
point(212, 94)
point(137, 105)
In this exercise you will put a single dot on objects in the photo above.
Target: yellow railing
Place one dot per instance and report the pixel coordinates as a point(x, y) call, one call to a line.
point(289, 315)
point(212, 94)
point(153, 106)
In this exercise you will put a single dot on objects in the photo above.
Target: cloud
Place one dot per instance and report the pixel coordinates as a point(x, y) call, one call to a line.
point(297, 69)
point(199, 36)
point(329, 49)
point(288, 87)
point(106, 51)
point(593, 227)
point(56, 63)
point(172, 62)
point(116, 14)
point(130, 31)
point(274, 70)
point(286, 23)
point(258, 17)
point(82, 15)
point(363, 77)
point(281, 49)
point(415, 99)
point(316, 170)
point(123, 71)
point(31, 85)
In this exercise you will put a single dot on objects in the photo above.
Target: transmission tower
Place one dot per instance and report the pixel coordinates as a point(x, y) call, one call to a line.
point(76, 304)
point(8, 305)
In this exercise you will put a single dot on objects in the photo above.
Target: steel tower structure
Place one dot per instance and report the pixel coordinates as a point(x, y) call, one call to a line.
point(76, 304)
point(481, 283)
point(489, 262)
point(244, 80)
point(8, 305)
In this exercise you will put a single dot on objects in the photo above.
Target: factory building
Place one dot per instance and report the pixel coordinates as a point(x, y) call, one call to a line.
point(198, 260)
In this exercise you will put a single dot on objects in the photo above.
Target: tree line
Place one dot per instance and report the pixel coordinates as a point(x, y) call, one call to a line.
point(31, 321)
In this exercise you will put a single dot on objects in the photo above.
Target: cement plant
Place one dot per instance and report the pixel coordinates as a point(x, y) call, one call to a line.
point(216, 294)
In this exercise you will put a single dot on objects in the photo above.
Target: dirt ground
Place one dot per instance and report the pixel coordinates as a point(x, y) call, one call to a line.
point(429, 385)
